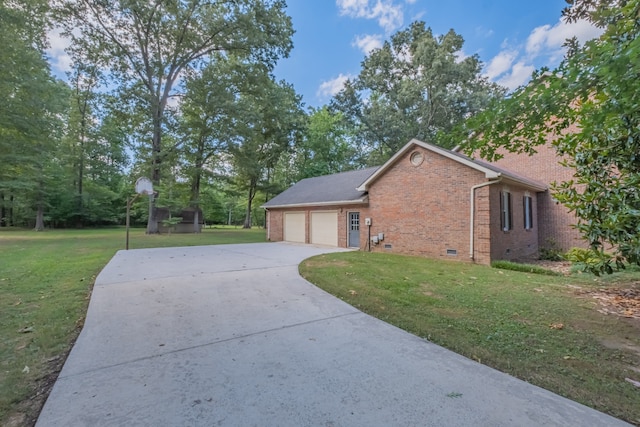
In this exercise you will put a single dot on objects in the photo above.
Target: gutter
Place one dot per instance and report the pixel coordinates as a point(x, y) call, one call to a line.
point(360, 201)
point(473, 208)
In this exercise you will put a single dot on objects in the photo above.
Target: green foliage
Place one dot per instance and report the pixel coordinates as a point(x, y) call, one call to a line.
point(526, 268)
point(269, 120)
point(326, 147)
point(415, 86)
point(551, 252)
point(593, 260)
point(31, 113)
point(148, 49)
point(588, 107)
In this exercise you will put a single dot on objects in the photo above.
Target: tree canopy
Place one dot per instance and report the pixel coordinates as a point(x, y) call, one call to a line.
point(149, 47)
point(416, 86)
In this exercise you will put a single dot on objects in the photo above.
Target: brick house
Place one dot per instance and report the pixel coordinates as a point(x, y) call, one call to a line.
point(425, 200)
point(555, 221)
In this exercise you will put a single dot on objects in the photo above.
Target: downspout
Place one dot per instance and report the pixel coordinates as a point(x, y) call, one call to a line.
point(473, 208)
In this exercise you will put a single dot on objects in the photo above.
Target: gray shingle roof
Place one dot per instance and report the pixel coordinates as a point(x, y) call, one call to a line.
point(323, 190)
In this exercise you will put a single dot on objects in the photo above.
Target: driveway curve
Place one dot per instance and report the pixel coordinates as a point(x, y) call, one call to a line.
point(232, 336)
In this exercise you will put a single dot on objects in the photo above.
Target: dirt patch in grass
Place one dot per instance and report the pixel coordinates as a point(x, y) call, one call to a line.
point(623, 302)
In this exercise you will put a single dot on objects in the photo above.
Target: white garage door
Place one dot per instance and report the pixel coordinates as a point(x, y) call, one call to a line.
point(294, 227)
point(324, 228)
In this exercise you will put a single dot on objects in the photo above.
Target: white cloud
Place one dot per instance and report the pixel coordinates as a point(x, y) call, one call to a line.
point(331, 87)
point(390, 16)
point(500, 64)
point(513, 66)
point(483, 32)
point(460, 56)
point(551, 38)
point(60, 60)
point(367, 42)
point(519, 75)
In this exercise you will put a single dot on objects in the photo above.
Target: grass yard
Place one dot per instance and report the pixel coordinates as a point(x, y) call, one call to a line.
point(546, 330)
point(45, 284)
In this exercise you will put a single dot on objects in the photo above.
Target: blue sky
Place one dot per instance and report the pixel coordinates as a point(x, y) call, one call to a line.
point(512, 37)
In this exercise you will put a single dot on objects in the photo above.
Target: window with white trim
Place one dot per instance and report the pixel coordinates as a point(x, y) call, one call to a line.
point(527, 205)
point(506, 219)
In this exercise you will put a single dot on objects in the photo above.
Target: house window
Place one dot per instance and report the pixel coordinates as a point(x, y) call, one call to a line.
point(506, 221)
point(528, 212)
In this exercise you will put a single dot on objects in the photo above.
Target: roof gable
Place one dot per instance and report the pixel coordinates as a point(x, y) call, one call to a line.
point(491, 172)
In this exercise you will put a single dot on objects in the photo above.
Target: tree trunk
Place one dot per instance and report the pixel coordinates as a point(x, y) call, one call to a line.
point(40, 208)
point(39, 218)
point(247, 217)
point(156, 162)
point(83, 132)
point(3, 211)
point(152, 224)
point(11, 219)
point(252, 194)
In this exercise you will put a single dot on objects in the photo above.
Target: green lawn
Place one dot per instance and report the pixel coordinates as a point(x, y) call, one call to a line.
point(543, 329)
point(506, 319)
point(45, 284)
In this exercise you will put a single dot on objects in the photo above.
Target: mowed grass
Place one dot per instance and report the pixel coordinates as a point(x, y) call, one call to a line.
point(45, 284)
point(545, 330)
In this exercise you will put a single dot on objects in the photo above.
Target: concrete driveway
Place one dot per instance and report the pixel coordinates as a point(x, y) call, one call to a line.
point(233, 336)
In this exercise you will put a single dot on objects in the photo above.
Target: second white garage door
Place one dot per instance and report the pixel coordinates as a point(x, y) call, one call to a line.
point(294, 227)
point(324, 228)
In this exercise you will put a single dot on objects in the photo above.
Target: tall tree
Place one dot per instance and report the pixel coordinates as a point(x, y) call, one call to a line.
point(415, 86)
point(590, 106)
point(32, 109)
point(268, 123)
point(84, 79)
point(327, 145)
point(209, 111)
point(152, 45)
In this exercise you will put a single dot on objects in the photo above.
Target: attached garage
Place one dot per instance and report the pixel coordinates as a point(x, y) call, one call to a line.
point(294, 230)
point(313, 210)
point(324, 228)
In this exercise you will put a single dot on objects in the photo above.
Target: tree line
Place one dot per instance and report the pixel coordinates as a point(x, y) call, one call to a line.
point(183, 92)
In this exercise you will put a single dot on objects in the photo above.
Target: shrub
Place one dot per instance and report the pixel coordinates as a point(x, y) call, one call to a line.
point(551, 252)
point(594, 261)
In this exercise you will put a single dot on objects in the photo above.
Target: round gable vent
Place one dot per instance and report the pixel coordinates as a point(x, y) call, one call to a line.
point(416, 158)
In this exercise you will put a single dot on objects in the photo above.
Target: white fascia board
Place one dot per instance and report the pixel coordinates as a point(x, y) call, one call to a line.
point(311, 204)
point(489, 173)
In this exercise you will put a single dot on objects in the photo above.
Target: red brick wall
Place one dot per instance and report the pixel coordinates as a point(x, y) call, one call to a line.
point(555, 221)
point(275, 221)
point(424, 210)
point(517, 243)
